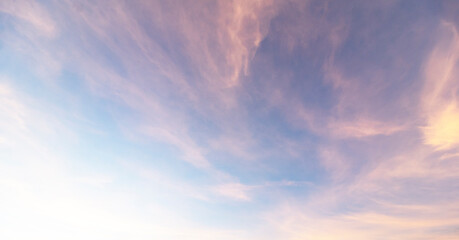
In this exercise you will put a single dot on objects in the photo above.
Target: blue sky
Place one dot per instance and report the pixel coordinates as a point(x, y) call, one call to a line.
point(229, 119)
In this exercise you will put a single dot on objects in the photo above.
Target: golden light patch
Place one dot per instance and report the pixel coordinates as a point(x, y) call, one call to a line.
point(443, 129)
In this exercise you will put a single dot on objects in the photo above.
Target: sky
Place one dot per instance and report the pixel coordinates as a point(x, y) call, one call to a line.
point(229, 119)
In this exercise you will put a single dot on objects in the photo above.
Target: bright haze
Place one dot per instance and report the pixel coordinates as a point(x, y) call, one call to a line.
point(229, 119)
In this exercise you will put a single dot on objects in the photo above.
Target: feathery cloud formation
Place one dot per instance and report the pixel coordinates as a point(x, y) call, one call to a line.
point(229, 119)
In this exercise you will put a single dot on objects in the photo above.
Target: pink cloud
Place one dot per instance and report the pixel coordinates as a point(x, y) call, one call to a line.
point(440, 104)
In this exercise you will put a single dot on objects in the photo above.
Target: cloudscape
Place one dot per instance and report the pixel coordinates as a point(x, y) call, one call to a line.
point(229, 119)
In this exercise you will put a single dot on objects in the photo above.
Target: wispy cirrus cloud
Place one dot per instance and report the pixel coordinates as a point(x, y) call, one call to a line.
point(229, 119)
point(440, 97)
point(378, 203)
point(31, 13)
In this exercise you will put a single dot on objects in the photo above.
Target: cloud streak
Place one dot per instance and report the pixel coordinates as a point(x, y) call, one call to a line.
point(229, 119)
point(440, 99)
